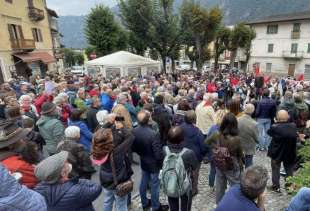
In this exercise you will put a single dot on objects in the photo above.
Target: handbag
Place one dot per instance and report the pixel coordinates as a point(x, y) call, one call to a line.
point(123, 188)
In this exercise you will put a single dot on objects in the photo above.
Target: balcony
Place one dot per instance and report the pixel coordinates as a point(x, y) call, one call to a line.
point(23, 44)
point(54, 24)
point(295, 35)
point(35, 14)
point(293, 55)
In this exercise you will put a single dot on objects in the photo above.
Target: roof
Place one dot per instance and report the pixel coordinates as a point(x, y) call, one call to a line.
point(122, 59)
point(282, 18)
point(36, 56)
point(52, 12)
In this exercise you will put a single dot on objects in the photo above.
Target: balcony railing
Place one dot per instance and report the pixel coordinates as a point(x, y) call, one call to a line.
point(23, 44)
point(35, 14)
point(295, 35)
point(293, 55)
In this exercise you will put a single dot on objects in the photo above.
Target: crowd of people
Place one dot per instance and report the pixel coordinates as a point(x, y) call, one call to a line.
point(56, 132)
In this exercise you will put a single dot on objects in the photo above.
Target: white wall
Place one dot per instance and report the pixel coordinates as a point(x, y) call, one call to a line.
point(282, 42)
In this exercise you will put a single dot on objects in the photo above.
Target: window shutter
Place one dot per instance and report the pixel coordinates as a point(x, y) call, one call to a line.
point(20, 32)
point(10, 28)
point(40, 35)
point(34, 34)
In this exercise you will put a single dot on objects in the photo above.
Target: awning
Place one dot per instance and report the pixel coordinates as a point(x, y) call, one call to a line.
point(36, 56)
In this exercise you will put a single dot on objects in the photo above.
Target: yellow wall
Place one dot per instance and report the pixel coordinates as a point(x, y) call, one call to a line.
point(17, 13)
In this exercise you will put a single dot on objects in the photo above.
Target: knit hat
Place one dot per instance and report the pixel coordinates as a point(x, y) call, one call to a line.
point(49, 170)
point(72, 132)
point(102, 143)
point(47, 108)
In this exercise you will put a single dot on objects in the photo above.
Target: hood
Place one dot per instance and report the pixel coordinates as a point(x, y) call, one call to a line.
point(289, 104)
point(43, 120)
point(56, 194)
point(301, 106)
point(9, 186)
point(159, 109)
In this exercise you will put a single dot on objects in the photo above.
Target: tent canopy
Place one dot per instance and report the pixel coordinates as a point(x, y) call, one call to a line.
point(122, 59)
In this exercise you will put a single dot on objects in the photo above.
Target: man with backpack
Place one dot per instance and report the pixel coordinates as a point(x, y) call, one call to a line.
point(147, 145)
point(177, 171)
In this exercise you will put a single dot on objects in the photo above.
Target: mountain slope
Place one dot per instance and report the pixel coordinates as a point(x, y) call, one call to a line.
point(72, 27)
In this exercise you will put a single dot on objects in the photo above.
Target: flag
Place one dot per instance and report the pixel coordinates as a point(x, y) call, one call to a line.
point(301, 77)
point(257, 70)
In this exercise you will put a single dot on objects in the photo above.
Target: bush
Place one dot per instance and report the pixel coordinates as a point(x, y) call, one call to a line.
point(302, 176)
point(301, 179)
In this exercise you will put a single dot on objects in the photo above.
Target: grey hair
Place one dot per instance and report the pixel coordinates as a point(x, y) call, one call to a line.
point(121, 97)
point(253, 181)
point(72, 132)
point(249, 108)
point(208, 97)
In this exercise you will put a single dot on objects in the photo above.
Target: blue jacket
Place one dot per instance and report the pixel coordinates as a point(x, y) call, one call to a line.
point(266, 109)
point(16, 197)
point(234, 200)
point(85, 134)
point(194, 140)
point(106, 102)
point(73, 195)
point(301, 201)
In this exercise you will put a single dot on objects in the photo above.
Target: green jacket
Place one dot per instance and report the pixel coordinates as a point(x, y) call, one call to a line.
point(52, 130)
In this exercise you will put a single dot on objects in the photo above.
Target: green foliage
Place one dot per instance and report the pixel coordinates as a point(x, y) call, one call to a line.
point(79, 58)
point(69, 57)
point(301, 179)
point(241, 37)
point(89, 50)
point(103, 32)
point(302, 176)
point(136, 16)
point(199, 26)
point(221, 42)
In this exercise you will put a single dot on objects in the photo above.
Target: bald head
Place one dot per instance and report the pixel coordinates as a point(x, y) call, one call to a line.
point(143, 117)
point(249, 109)
point(282, 116)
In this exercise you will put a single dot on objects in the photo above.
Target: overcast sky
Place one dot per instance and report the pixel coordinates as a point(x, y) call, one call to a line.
point(76, 7)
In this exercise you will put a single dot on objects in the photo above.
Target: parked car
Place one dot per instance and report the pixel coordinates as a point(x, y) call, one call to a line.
point(78, 70)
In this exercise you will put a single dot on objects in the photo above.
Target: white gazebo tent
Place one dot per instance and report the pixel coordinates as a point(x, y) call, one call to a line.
point(123, 63)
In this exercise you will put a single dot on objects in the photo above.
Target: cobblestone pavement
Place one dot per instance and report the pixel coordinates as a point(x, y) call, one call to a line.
point(205, 200)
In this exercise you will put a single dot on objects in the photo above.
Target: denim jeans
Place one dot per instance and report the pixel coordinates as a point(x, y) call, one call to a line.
point(264, 138)
point(248, 161)
point(212, 174)
point(110, 197)
point(153, 180)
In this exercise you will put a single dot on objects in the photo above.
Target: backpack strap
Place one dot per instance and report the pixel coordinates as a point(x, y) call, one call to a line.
point(183, 151)
point(167, 150)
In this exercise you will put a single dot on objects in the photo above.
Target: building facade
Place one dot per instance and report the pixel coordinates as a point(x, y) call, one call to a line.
point(282, 45)
point(26, 46)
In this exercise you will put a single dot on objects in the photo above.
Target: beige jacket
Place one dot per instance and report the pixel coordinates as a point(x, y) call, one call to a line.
point(205, 117)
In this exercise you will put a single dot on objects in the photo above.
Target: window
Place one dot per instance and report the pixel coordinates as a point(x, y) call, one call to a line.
point(272, 29)
point(308, 48)
point(270, 48)
point(37, 35)
point(268, 67)
point(294, 48)
point(15, 31)
point(9, 1)
point(296, 27)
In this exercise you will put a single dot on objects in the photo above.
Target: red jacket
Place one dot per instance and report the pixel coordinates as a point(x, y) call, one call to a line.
point(16, 164)
point(42, 99)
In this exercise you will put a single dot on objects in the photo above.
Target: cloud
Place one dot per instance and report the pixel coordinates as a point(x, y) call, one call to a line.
point(76, 7)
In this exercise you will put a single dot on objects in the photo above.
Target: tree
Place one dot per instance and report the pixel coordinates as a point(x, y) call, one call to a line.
point(199, 26)
point(241, 37)
point(165, 32)
point(89, 50)
point(248, 46)
point(221, 43)
point(103, 32)
point(69, 57)
point(79, 58)
point(136, 16)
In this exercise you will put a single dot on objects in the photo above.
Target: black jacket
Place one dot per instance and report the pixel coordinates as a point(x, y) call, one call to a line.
point(266, 109)
point(283, 143)
point(147, 145)
point(122, 140)
point(73, 195)
point(92, 122)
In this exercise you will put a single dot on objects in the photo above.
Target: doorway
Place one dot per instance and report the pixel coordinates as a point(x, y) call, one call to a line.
point(291, 70)
point(1, 73)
